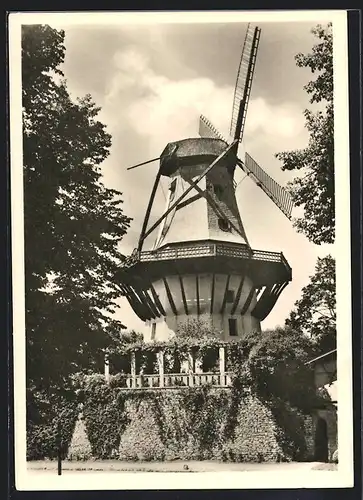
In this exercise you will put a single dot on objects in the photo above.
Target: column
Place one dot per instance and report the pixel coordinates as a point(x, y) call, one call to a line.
point(160, 356)
point(107, 368)
point(133, 370)
point(191, 362)
point(222, 365)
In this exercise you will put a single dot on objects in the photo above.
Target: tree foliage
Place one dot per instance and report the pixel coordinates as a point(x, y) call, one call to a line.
point(313, 189)
point(73, 223)
point(276, 363)
point(272, 362)
point(196, 329)
point(315, 312)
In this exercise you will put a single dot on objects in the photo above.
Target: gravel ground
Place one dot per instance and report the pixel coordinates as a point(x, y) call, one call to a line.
point(174, 466)
point(325, 467)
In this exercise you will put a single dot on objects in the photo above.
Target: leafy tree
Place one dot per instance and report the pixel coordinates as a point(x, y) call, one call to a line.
point(314, 188)
point(196, 329)
point(131, 337)
point(315, 313)
point(73, 223)
point(119, 363)
point(276, 363)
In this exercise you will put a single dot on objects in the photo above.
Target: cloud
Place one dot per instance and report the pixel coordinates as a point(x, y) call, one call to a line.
point(159, 108)
point(283, 120)
point(163, 110)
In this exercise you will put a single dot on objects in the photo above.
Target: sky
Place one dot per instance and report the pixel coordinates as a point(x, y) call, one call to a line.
point(152, 81)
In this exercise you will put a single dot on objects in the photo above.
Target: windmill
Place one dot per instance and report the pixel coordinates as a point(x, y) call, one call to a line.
point(202, 265)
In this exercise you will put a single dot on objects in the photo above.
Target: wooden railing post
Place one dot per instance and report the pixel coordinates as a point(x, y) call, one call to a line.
point(107, 369)
point(133, 369)
point(160, 355)
point(222, 364)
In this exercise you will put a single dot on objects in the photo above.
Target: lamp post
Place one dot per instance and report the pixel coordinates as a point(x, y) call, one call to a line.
point(59, 447)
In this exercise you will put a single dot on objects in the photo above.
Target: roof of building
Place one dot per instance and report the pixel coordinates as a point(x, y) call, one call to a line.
point(324, 357)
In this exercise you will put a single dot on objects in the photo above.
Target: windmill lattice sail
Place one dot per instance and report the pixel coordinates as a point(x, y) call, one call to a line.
point(208, 130)
point(244, 81)
point(277, 193)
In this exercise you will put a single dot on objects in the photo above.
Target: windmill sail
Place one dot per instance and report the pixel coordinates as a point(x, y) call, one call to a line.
point(208, 130)
point(277, 193)
point(244, 82)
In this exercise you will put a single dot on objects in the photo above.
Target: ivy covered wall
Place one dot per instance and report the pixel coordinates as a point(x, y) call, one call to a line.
point(264, 416)
point(199, 423)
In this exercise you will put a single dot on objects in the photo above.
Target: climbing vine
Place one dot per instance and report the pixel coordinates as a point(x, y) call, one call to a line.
point(201, 422)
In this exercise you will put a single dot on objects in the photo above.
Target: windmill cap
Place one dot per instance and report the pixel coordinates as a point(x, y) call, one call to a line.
point(189, 152)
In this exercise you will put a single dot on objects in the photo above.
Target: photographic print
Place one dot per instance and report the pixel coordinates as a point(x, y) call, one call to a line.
point(181, 250)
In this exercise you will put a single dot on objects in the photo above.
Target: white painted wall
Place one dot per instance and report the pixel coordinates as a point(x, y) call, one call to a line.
point(198, 220)
point(166, 326)
point(189, 223)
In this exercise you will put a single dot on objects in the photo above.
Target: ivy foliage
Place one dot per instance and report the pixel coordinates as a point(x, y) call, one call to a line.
point(272, 362)
point(200, 423)
point(314, 187)
point(269, 377)
point(104, 416)
point(51, 418)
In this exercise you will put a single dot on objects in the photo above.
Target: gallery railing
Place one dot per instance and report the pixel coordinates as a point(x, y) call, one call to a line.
point(178, 380)
point(210, 249)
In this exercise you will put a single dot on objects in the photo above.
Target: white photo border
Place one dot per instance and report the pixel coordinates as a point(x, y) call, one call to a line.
point(344, 476)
